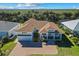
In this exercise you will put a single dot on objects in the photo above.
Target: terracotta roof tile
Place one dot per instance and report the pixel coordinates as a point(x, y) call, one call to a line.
point(43, 26)
point(31, 24)
point(50, 25)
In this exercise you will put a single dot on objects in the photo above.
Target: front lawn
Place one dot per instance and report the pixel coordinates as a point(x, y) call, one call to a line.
point(63, 51)
point(73, 51)
point(7, 48)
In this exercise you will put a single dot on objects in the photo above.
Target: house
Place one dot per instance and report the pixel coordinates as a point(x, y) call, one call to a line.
point(47, 30)
point(72, 25)
point(7, 28)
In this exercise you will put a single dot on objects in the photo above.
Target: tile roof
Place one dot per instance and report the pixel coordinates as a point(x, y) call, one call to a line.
point(50, 25)
point(31, 24)
point(43, 26)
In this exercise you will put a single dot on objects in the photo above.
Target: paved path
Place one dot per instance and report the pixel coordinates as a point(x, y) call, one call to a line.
point(27, 51)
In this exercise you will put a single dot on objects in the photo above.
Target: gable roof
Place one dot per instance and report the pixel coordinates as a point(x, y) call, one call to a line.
point(71, 24)
point(49, 25)
point(5, 26)
point(43, 26)
point(31, 24)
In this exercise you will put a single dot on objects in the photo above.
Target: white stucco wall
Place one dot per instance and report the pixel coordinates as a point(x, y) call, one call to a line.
point(22, 36)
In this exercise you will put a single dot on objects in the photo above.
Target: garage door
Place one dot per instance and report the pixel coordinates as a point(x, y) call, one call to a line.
point(25, 38)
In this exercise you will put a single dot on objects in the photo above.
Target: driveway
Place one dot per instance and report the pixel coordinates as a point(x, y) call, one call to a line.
point(27, 51)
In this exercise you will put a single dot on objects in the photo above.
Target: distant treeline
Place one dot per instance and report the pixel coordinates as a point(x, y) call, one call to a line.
point(49, 15)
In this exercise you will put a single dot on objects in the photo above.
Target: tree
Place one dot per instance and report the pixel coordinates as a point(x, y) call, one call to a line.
point(77, 14)
point(67, 15)
point(35, 35)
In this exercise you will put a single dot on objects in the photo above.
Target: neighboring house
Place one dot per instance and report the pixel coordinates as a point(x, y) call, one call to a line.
point(47, 30)
point(72, 25)
point(7, 28)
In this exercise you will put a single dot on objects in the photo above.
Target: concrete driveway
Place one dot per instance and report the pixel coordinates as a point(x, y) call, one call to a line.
point(27, 51)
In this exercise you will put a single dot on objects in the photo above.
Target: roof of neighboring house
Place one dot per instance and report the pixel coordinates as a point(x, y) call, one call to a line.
point(5, 26)
point(43, 26)
point(71, 24)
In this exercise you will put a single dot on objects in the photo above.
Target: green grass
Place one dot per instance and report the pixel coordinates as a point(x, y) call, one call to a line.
point(7, 48)
point(63, 51)
point(73, 51)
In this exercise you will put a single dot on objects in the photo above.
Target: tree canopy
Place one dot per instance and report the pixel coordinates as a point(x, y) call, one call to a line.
point(48, 15)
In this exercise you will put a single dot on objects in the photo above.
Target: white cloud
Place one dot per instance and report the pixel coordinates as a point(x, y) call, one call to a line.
point(26, 5)
point(6, 7)
point(20, 6)
point(37, 7)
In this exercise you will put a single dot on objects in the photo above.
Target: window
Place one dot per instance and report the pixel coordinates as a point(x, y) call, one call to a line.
point(44, 35)
point(51, 30)
point(57, 36)
point(50, 37)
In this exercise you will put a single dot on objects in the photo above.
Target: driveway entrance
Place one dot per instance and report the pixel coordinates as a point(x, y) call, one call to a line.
point(27, 51)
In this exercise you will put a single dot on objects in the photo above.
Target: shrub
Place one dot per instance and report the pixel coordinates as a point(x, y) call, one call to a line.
point(75, 39)
point(35, 36)
point(5, 40)
point(44, 40)
point(1, 44)
point(2, 53)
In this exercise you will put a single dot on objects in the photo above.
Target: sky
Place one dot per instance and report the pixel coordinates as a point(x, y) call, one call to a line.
point(39, 5)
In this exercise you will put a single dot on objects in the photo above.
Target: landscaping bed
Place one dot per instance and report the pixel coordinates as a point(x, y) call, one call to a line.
point(7, 47)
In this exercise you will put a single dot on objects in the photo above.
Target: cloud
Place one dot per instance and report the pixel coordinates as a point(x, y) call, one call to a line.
point(22, 6)
point(6, 7)
point(37, 7)
point(26, 5)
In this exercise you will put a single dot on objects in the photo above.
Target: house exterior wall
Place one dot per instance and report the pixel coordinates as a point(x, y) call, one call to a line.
point(54, 36)
point(2, 34)
point(25, 36)
point(76, 30)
